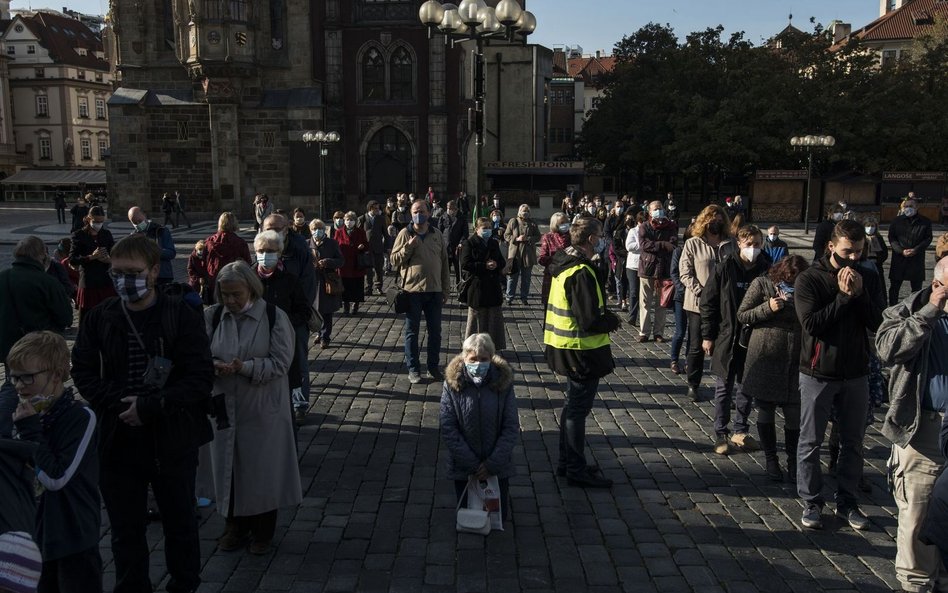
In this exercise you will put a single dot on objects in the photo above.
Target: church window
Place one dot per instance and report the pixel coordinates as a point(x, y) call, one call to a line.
point(402, 75)
point(373, 76)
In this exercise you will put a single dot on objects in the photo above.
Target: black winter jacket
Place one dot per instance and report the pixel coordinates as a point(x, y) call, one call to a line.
point(18, 511)
point(720, 300)
point(485, 288)
point(175, 417)
point(581, 287)
point(454, 229)
point(836, 326)
point(655, 261)
point(909, 233)
point(284, 290)
point(67, 466)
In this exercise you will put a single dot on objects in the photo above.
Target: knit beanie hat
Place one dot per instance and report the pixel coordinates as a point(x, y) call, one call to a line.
point(20, 563)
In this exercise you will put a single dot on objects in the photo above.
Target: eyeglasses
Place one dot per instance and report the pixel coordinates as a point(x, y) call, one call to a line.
point(25, 378)
point(116, 274)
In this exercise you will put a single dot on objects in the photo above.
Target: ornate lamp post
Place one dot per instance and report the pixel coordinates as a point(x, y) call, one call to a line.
point(321, 139)
point(810, 143)
point(474, 20)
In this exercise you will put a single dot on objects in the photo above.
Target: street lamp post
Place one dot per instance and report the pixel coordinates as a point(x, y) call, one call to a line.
point(810, 143)
point(474, 20)
point(321, 139)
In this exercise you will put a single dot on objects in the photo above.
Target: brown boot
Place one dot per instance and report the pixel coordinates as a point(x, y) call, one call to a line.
point(262, 527)
point(235, 535)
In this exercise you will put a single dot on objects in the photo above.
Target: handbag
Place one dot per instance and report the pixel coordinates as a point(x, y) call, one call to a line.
point(745, 337)
point(397, 298)
point(472, 520)
point(463, 288)
point(667, 294)
point(333, 283)
point(364, 260)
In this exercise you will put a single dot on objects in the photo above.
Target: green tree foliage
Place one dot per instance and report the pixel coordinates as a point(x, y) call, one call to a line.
point(708, 103)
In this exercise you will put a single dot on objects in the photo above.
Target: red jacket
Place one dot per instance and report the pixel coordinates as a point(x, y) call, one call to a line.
point(222, 249)
point(349, 242)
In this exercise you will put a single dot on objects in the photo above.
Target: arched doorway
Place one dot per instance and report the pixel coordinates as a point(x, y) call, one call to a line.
point(389, 163)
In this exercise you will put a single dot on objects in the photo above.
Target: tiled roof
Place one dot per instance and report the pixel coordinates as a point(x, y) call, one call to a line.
point(913, 19)
point(591, 68)
point(559, 63)
point(62, 35)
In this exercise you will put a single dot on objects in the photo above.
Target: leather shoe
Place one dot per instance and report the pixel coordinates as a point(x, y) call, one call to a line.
point(586, 479)
point(693, 393)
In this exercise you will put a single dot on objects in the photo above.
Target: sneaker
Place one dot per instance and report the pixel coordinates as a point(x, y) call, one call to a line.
point(414, 377)
point(675, 368)
point(856, 519)
point(587, 479)
point(721, 446)
point(744, 442)
point(435, 375)
point(812, 516)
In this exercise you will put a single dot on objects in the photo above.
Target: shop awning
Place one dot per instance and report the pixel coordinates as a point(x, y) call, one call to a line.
point(54, 177)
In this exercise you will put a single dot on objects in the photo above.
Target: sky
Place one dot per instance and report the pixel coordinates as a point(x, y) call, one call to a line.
point(599, 24)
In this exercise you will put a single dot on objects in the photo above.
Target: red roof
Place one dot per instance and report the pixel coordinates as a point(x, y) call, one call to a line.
point(911, 20)
point(591, 69)
point(62, 35)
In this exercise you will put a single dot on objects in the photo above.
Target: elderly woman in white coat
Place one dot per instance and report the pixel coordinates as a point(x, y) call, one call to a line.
point(254, 459)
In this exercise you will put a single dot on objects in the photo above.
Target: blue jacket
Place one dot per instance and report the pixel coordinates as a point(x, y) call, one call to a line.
point(162, 236)
point(479, 424)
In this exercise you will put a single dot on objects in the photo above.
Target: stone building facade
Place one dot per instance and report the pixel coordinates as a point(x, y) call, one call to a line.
point(214, 96)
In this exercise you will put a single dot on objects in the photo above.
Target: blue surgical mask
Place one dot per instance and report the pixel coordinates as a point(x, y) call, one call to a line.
point(419, 219)
point(268, 259)
point(486, 233)
point(477, 370)
point(658, 214)
point(601, 245)
point(318, 234)
point(909, 211)
point(564, 228)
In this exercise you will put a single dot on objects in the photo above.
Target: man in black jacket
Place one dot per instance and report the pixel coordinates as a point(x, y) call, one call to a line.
point(577, 342)
point(373, 223)
point(910, 234)
point(453, 226)
point(721, 333)
point(143, 363)
point(837, 306)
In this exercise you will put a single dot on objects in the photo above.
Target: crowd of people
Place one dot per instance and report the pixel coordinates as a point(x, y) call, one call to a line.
point(174, 383)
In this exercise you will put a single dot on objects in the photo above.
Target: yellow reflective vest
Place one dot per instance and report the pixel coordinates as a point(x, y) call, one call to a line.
point(561, 329)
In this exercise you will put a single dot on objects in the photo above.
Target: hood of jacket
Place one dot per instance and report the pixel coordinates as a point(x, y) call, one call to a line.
point(500, 377)
point(566, 259)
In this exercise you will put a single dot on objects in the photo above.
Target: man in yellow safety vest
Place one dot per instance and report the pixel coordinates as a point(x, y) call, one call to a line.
point(576, 335)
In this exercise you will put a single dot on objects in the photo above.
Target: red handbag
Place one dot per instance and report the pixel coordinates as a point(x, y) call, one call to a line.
point(667, 288)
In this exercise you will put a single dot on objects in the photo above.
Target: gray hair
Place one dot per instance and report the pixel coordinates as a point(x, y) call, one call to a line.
point(941, 271)
point(351, 214)
point(268, 238)
point(479, 344)
point(556, 219)
point(239, 271)
point(31, 247)
point(316, 223)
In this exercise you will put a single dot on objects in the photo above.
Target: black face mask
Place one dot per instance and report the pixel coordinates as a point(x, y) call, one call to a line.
point(715, 227)
point(843, 262)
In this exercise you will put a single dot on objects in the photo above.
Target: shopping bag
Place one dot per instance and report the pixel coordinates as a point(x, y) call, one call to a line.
point(472, 520)
point(487, 497)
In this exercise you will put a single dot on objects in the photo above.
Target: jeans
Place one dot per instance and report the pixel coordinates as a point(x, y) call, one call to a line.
point(817, 398)
point(124, 489)
point(524, 274)
point(622, 279)
point(325, 334)
point(376, 272)
point(681, 329)
point(77, 573)
point(634, 286)
point(723, 388)
point(914, 469)
point(579, 401)
point(429, 304)
point(695, 352)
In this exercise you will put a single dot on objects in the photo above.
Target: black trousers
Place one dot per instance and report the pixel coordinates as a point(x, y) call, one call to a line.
point(695, 356)
point(77, 573)
point(896, 285)
point(124, 489)
point(61, 215)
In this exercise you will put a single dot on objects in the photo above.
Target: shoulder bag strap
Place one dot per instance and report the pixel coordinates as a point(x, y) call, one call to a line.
point(131, 326)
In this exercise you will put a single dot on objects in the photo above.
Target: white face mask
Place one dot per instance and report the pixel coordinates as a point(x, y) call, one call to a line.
point(773, 237)
point(870, 230)
point(750, 254)
point(909, 211)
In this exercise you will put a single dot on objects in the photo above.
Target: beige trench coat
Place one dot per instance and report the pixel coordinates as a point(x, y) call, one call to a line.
point(258, 449)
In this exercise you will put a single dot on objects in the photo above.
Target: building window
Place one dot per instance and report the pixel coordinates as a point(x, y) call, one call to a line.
point(83, 107)
point(276, 24)
point(888, 57)
point(39, 72)
point(98, 77)
point(183, 132)
point(239, 10)
point(81, 74)
point(42, 106)
point(100, 108)
point(103, 149)
point(269, 139)
point(402, 78)
point(85, 149)
point(31, 49)
point(11, 50)
point(373, 76)
point(46, 149)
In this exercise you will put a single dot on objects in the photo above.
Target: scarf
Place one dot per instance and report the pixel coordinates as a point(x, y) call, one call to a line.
point(662, 224)
point(59, 408)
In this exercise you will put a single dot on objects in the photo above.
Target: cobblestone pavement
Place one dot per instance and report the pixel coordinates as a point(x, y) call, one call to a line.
point(378, 514)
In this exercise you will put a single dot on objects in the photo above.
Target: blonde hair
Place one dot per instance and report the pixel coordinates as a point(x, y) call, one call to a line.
point(705, 217)
point(556, 218)
point(49, 348)
point(227, 223)
point(199, 245)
